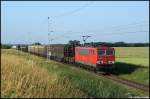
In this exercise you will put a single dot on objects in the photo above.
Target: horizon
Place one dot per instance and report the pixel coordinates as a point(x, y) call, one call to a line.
point(66, 43)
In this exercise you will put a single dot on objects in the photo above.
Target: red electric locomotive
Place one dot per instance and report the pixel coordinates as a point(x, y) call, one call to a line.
point(101, 58)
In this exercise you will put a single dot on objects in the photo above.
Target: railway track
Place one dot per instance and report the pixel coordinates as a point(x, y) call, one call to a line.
point(127, 82)
point(121, 80)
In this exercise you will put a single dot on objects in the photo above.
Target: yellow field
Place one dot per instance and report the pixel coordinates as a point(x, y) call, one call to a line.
point(21, 78)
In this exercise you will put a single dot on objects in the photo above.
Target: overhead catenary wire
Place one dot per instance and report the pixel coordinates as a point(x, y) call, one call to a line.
point(70, 32)
point(109, 34)
point(140, 26)
point(121, 27)
point(105, 30)
point(62, 15)
point(105, 33)
point(129, 32)
point(65, 14)
point(74, 11)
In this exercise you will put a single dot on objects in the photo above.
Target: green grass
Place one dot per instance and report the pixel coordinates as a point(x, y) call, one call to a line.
point(134, 52)
point(52, 79)
point(133, 63)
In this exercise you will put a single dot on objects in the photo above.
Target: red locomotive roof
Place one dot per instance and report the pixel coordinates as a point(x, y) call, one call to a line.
point(102, 48)
point(85, 47)
point(106, 48)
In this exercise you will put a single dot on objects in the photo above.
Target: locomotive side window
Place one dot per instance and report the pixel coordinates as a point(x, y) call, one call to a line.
point(84, 52)
point(105, 52)
point(76, 50)
point(93, 52)
point(101, 52)
point(109, 52)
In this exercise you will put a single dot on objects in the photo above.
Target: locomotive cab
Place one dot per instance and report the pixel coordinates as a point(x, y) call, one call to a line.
point(105, 58)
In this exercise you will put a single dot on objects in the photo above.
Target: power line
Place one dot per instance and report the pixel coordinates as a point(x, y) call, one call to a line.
point(135, 23)
point(130, 32)
point(108, 35)
point(114, 33)
point(64, 14)
point(49, 30)
point(111, 34)
point(130, 25)
point(120, 26)
point(62, 35)
point(74, 11)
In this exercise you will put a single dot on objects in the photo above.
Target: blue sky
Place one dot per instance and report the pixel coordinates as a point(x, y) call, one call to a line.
point(109, 21)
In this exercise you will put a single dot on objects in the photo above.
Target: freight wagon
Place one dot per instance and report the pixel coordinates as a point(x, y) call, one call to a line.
point(39, 50)
point(61, 52)
point(56, 51)
point(23, 48)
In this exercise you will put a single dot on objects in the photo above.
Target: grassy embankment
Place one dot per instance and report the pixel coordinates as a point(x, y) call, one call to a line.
point(133, 63)
point(25, 75)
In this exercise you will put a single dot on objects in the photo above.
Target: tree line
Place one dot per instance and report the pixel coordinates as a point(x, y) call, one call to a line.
point(95, 44)
point(109, 44)
point(6, 46)
point(118, 44)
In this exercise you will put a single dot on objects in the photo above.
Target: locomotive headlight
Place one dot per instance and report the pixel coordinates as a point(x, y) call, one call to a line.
point(111, 62)
point(98, 62)
point(101, 62)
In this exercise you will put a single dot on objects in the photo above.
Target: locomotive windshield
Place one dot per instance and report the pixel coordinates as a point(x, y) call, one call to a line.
point(105, 52)
point(109, 52)
point(101, 52)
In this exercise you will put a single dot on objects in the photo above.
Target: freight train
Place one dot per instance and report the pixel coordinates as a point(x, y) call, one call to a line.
point(97, 58)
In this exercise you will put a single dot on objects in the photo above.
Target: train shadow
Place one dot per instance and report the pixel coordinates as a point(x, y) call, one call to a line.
point(125, 68)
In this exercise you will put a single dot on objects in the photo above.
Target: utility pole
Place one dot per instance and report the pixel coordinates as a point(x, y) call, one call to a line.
point(85, 38)
point(48, 29)
point(49, 39)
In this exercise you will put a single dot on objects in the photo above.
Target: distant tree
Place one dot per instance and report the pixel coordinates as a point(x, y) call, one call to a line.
point(36, 43)
point(74, 42)
point(120, 44)
point(5, 46)
point(117, 44)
